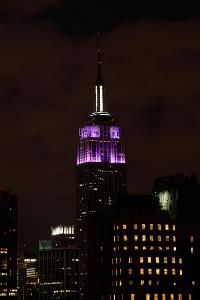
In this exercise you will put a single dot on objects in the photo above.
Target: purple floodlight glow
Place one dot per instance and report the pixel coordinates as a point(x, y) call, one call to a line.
point(114, 132)
point(89, 131)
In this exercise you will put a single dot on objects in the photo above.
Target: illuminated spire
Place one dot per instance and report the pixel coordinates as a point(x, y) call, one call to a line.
point(99, 87)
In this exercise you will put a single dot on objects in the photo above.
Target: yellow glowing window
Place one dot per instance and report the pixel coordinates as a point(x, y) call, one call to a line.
point(166, 227)
point(124, 226)
point(117, 227)
point(165, 260)
point(173, 260)
point(190, 297)
point(157, 260)
point(193, 282)
point(192, 250)
point(130, 260)
point(174, 248)
point(114, 248)
point(114, 238)
point(114, 227)
point(135, 237)
point(167, 238)
point(159, 227)
point(130, 271)
point(135, 226)
point(157, 271)
point(136, 247)
point(141, 260)
point(148, 297)
point(155, 296)
point(125, 238)
point(150, 271)
point(150, 282)
point(141, 282)
point(180, 261)
point(151, 247)
point(143, 226)
point(191, 239)
point(144, 248)
point(180, 297)
point(173, 272)
point(174, 238)
point(181, 272)
point(174, 227)
point(143, 238)
point(163, 296)
point(151, 238)
point(159, 238)
point(142, 271)
point(165, 271)
point(151, 226)
point(125, 248)
point(167, 248)
point(160, 248)
point(120, 283)
point(171, 296)
point(149, 259)
point(132, 297)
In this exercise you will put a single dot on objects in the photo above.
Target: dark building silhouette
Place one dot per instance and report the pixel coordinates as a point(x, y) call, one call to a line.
point(8, 245)
point(101, 177)
point(59, 265)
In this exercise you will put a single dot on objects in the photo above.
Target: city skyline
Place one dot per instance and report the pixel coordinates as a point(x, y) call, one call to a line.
point(151, 71)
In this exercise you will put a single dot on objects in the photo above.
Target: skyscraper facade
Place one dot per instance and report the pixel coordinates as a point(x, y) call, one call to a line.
point(101, 172)
point(8, 245)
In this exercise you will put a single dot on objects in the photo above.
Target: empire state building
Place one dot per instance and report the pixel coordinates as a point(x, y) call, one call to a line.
point(101, 172)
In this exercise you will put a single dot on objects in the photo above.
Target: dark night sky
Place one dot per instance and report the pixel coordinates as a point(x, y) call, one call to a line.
point(47, 75)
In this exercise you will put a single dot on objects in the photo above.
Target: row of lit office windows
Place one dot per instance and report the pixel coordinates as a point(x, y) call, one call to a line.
point(150, 271)
point(151, 248)
point(146, 226)
point(152, 297)
point(145, 238)
point(157, 260)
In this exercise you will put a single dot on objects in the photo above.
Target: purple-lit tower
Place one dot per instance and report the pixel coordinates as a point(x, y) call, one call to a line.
point(101, 172)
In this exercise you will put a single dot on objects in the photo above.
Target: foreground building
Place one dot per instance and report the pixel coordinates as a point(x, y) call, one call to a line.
point(8, 245)
point(58, 265)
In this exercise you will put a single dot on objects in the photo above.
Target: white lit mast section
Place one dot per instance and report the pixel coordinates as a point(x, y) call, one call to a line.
point(99, 87)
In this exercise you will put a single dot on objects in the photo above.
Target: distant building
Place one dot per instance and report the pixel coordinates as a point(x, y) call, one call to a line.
point(8, 245)
point(59, 265)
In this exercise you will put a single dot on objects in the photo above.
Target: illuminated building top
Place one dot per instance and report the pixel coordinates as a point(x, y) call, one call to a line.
point(99, 137)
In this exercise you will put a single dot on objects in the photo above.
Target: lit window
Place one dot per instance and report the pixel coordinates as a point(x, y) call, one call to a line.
point(159, 238)
point(163, 296)
point(141, 260)
point(193, 282)
point(142, 271)
point(151, 226)
point(165, 271)
point(125, 248)
point(174, 248)
point(167, 238)
point(135, 237)
point(124, 226)
point(174, 227)
point(114, 238)
point(155, 296)
point(160, 248)
point(190, 297)
point(149, 259)
point(180, 261)
point(165, 260)
point(144, 247)
point(181, 272)
point(157, 271)
point(132, 297)
point(166, 227)
point(159, 227)
point(136, 247)
point(130, 260)
point(157, 260)
point(191, 239)
point(151, 247)
point(173, 260)
point(180, 297)
point(158, 282)
point(148, 297)
point(143, 238)
point(171, 296)
point(151, 238)
point(125, 238)
point(173, 272)
point(130, 282)
point(117, 227)
point(143, 226)
point(120, 283)
point(114, 248)
point(135, 226)
point(174, 238)
point(192, 250)
point(150, 282)
point(141, 282)
point(130, 271)
point(150, 271)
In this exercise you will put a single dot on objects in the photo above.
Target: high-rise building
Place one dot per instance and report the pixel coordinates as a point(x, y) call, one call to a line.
point(59, 265)
point(8, 245)
point(101, 174)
